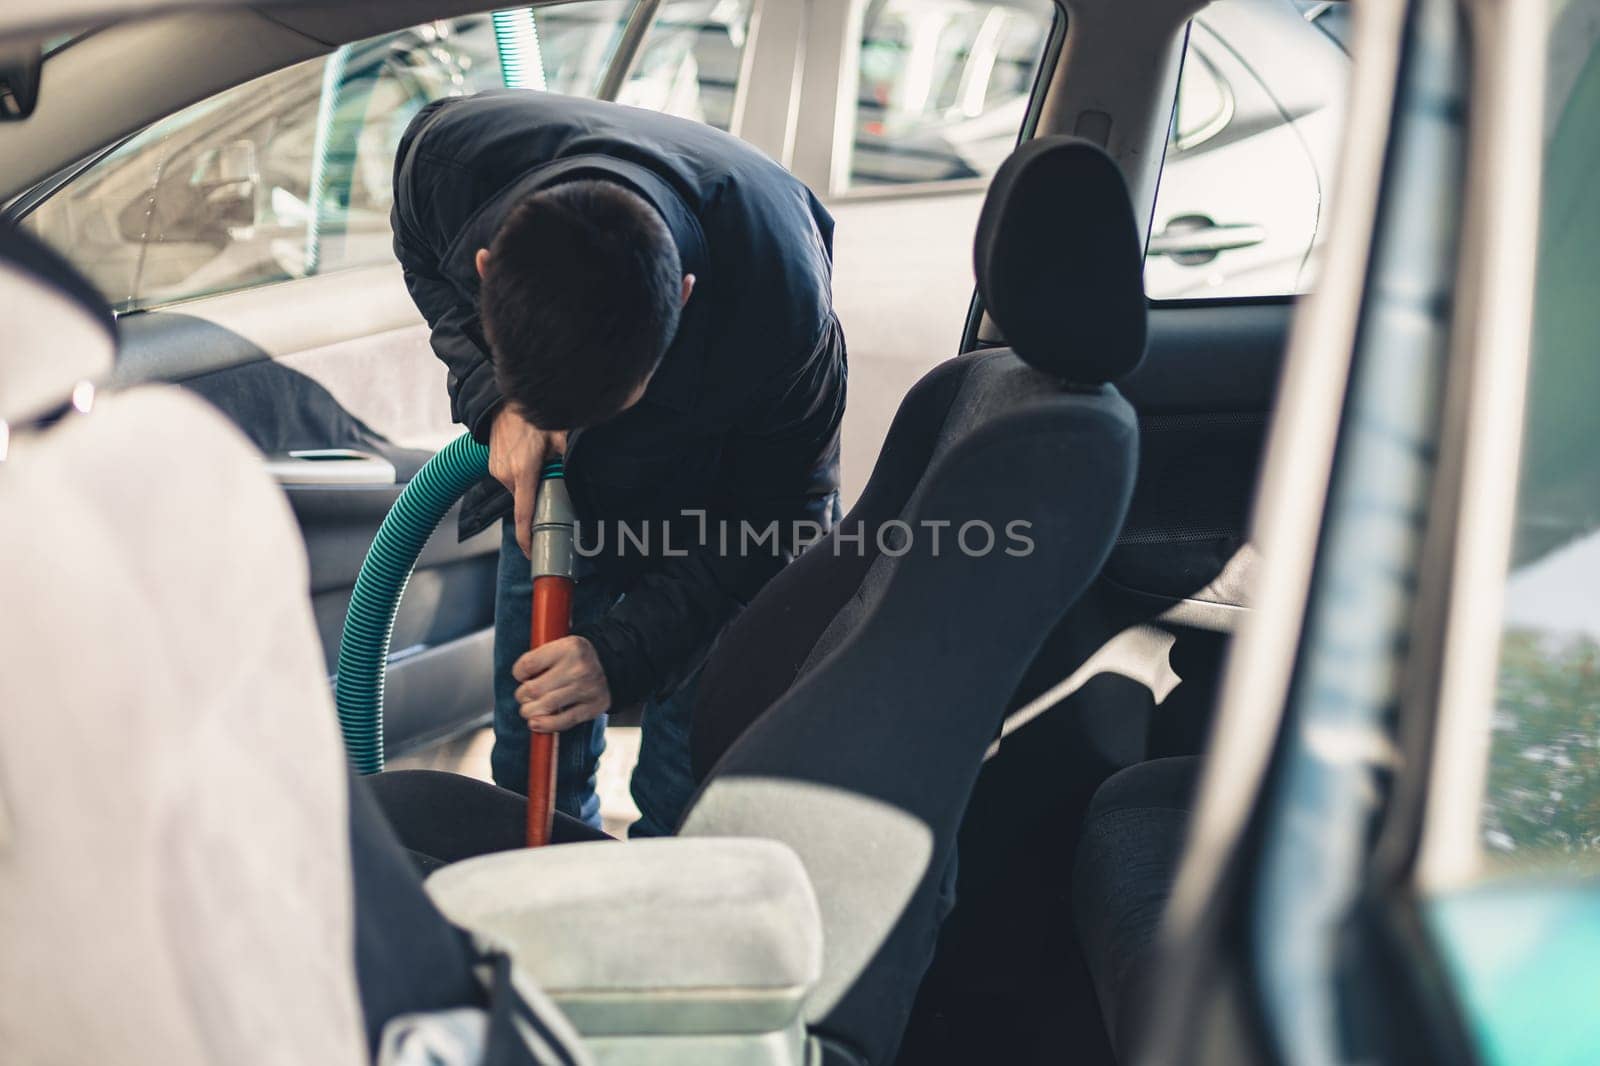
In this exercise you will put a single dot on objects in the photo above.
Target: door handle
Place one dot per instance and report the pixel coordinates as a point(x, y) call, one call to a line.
point(1193, 240)
point(330, 466)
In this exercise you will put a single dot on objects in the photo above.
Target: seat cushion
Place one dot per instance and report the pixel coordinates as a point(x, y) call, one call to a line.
point(1127, 860)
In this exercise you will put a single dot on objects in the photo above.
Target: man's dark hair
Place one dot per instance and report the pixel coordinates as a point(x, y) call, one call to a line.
point(579, 301)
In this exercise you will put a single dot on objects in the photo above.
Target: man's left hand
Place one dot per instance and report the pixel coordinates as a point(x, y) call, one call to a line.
point(562, 685)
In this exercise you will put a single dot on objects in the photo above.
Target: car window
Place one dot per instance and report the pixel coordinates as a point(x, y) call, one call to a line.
point(1251, 153)
point(943, 87)
point(689, 62)
point(1541, 807)
point(290, 175)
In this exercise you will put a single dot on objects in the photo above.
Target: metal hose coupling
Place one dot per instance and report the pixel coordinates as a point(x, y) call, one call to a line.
point(551, 549)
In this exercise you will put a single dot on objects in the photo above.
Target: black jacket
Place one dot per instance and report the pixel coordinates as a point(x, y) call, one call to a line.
point(740, 422)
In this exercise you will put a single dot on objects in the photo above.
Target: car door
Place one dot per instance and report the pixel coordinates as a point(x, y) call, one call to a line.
point(1507, 881)
point(1394, 854)
point(244, 243)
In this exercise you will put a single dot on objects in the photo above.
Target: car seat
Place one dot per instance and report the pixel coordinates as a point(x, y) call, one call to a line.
point(175, 885)
point(848, 710)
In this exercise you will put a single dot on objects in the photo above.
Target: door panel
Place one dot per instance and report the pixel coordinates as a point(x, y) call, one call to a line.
point(340, 364)
point(1202, 394)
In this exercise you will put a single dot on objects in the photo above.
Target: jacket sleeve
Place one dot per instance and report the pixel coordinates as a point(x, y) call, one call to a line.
point(457, 336)
point(782, 475)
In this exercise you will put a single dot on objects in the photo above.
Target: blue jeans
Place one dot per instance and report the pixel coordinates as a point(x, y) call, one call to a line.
point(662, 781)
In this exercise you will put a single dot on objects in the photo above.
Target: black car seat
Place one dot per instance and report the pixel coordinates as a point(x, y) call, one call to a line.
point(188, 872)
point(848, 709)
point(1127, 861)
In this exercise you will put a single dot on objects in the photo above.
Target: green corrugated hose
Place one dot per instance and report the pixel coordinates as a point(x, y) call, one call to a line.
point(369, 623)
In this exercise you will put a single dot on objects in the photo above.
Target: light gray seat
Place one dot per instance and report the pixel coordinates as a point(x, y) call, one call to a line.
point(174, 880)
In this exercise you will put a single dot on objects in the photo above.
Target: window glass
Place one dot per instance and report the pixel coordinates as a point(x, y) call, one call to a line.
point(290, 175)
point(1542, 801)
point(943, 87)
point(689, 63)
point(576, 43)
point(1251, 153)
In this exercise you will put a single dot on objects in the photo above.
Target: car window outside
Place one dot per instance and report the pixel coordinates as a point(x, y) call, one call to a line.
point(1250, 156)
point(689, 63)
point(943, 87)
point(289, 175)
point(1541, 807)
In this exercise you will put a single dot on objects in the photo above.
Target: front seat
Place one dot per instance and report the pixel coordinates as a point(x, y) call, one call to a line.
point(178, 884)
point(172, 794)
point(847, 711)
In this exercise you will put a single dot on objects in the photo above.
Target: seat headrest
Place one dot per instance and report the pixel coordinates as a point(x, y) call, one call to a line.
point(55, 329)
point(1059, 263)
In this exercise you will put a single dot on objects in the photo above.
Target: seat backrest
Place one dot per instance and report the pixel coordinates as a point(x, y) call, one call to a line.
point(174, 864)
point(848, 709)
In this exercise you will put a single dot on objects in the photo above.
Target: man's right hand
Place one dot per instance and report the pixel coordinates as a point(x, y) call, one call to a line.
point(517, 452)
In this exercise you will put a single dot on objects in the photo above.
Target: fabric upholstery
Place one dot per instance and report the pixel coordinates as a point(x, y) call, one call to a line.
point(172, 779)
point(1127, 861)
point(928, 644)
point(761, 653)
point(1059, 262)
point(651, 937)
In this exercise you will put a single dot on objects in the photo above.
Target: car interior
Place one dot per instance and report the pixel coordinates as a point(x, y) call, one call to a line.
point(942, 803)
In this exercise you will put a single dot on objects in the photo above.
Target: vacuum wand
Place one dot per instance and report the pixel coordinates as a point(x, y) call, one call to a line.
point(552, 619)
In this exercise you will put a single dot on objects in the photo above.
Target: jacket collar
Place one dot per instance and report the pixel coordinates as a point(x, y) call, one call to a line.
point(677, 382)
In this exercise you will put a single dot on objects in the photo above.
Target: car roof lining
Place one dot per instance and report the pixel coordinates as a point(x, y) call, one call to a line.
point(91, 96)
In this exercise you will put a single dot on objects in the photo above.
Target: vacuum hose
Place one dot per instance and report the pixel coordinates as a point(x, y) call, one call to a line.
point(369, 623)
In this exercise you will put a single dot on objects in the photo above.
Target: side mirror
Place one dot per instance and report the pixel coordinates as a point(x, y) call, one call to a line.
point(202, 204)
point(20, 67)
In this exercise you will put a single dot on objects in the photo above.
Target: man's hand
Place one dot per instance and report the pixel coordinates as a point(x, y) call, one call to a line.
point(562, 685)
point(517, 452)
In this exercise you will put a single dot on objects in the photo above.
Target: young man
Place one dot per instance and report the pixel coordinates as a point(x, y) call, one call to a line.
point(652, 297)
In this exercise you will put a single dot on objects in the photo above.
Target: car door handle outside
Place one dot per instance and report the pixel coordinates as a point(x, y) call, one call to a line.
point(330, 466)
point(1192, 240)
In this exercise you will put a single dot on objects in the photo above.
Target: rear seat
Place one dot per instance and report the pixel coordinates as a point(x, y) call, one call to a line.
point(1127, 860)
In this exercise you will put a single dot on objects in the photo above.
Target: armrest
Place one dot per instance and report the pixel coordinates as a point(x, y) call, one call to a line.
point(651, 936)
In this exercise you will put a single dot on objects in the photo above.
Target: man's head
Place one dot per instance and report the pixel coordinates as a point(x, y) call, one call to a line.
point(580, 296)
